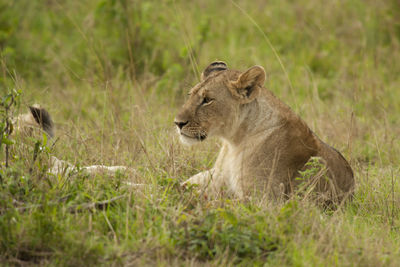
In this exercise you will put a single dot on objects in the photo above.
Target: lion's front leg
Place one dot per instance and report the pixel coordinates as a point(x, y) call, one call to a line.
point(212, 180)
point(207, 181)
point(202, 179)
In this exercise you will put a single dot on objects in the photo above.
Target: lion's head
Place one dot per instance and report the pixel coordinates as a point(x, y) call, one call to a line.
point(215, 104)
point(36, 119)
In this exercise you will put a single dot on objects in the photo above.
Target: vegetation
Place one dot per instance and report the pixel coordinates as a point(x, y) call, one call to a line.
point(113, 75)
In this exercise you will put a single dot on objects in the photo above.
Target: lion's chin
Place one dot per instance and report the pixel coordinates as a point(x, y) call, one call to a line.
point(186, 140)
point(189, 140)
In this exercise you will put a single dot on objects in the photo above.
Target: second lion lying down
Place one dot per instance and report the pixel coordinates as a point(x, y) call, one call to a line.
point(265, 144)
point(38, 120)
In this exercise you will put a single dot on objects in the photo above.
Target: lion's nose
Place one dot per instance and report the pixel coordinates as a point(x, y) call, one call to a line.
point(180, 124)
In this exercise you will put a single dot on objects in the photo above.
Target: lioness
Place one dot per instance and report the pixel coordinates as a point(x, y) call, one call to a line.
point(265, 144)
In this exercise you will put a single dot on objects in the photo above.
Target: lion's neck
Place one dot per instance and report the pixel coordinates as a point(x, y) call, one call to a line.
point(256, 122)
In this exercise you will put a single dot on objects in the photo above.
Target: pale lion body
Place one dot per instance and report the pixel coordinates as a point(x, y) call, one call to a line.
point(264, 143)
point(38, 121)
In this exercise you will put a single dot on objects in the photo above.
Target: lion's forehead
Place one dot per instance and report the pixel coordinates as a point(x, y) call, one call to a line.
point(195, 89)
point(209, 89)
point(213, 82)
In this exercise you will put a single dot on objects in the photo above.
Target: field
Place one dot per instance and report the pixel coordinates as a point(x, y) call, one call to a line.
point(113, 74)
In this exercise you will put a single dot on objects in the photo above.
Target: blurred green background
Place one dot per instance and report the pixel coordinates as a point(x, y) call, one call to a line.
point(345, 53)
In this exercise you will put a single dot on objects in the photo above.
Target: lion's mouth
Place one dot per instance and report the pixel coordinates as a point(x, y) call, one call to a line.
point(199, 137)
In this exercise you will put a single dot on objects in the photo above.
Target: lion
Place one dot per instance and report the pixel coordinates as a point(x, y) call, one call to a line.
point(266, 147)
point(38, 121)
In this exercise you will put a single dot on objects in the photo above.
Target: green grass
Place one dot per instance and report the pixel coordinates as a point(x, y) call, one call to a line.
point(114, 73)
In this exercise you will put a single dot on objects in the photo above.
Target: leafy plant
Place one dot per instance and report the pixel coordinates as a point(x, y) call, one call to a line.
point(8, 102)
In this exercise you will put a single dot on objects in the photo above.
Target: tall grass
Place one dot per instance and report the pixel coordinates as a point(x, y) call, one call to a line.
point(113, 75)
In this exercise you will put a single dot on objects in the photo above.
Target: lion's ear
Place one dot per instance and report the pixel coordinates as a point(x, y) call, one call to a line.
point(42, 117)
point(248, 86)
point(213, 67)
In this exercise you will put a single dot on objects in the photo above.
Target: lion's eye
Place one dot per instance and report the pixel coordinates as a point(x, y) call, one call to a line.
point(206, 100)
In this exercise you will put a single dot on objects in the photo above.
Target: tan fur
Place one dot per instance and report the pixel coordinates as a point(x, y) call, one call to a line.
point(25, 124)
point(265, 144)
